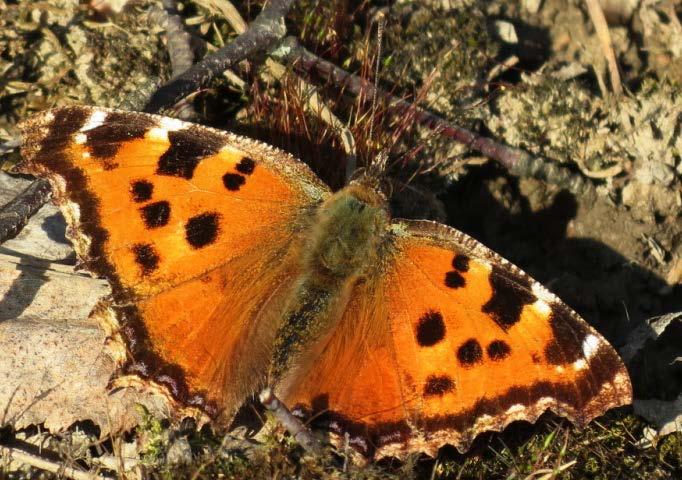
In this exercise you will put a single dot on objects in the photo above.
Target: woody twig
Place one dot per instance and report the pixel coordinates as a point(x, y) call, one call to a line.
point(517, 161)
point(15, 214)
point(293, 425)
point(178, 40)
point(266, 30)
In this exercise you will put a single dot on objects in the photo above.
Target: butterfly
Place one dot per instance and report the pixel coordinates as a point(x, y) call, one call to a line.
point(233, 267)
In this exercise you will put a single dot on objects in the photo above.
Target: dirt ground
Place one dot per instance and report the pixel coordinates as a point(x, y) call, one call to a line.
point(531, 74)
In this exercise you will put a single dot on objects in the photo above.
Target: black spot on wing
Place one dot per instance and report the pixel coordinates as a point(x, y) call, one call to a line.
point(156, 214)
point(510, 293)
point(438, 385)
point(104, 141)
point(454, 279)
point(146, 257)
point(498, 350)
point(187, 147)
point(202, 229)
point(233, 181)
point(246, 166)
point(430, 329)
point(469, 353)
point(460, 263)
point(141, 190)
point(568, 335)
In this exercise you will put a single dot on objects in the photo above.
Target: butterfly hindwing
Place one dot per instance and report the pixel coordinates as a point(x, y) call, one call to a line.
point(461, 342)
point(181, 219)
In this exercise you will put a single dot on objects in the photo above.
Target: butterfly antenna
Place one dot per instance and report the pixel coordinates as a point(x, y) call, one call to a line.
point(380, 19)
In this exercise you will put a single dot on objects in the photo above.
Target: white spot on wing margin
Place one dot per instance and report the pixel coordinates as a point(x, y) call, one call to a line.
point(165, 125)
point(95, 119)
point(542, 293)
point(171, 124)
point(580, 364)
point(590, 346)
point(542, 307)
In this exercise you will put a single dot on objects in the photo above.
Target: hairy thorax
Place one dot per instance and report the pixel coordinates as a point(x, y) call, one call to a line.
point(341, 247)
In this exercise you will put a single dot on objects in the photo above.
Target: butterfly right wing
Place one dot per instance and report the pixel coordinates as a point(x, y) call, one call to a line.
point(195, 229)
point(445, 340)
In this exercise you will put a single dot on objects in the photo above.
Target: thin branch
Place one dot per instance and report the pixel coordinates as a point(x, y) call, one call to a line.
point(48, 465)
point(15, 214)
point(293, 425)
point(516, 161)
point(266, 30)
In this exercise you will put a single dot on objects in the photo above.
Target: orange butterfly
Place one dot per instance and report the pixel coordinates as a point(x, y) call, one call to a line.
point(234, 267)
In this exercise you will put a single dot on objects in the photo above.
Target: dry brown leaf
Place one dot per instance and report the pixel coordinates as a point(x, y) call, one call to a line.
point(56, 366)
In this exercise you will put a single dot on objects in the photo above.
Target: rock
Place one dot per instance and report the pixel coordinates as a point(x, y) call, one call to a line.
point(179, 452)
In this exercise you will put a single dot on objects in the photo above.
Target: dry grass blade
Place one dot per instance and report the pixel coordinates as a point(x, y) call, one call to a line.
point(548, 473)
point(228, 11)
point(602, 28)
point(48, 465)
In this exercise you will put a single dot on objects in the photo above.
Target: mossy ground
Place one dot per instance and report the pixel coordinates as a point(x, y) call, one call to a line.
point(62, 52)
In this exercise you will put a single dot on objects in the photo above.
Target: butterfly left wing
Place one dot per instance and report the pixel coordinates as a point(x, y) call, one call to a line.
point(447, 340)
point(195, 229)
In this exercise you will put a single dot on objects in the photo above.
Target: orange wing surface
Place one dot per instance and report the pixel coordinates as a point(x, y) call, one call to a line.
point(195, 228)
point(447, 340)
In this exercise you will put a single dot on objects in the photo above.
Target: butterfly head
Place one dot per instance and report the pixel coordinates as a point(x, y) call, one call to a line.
point(373, 176)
